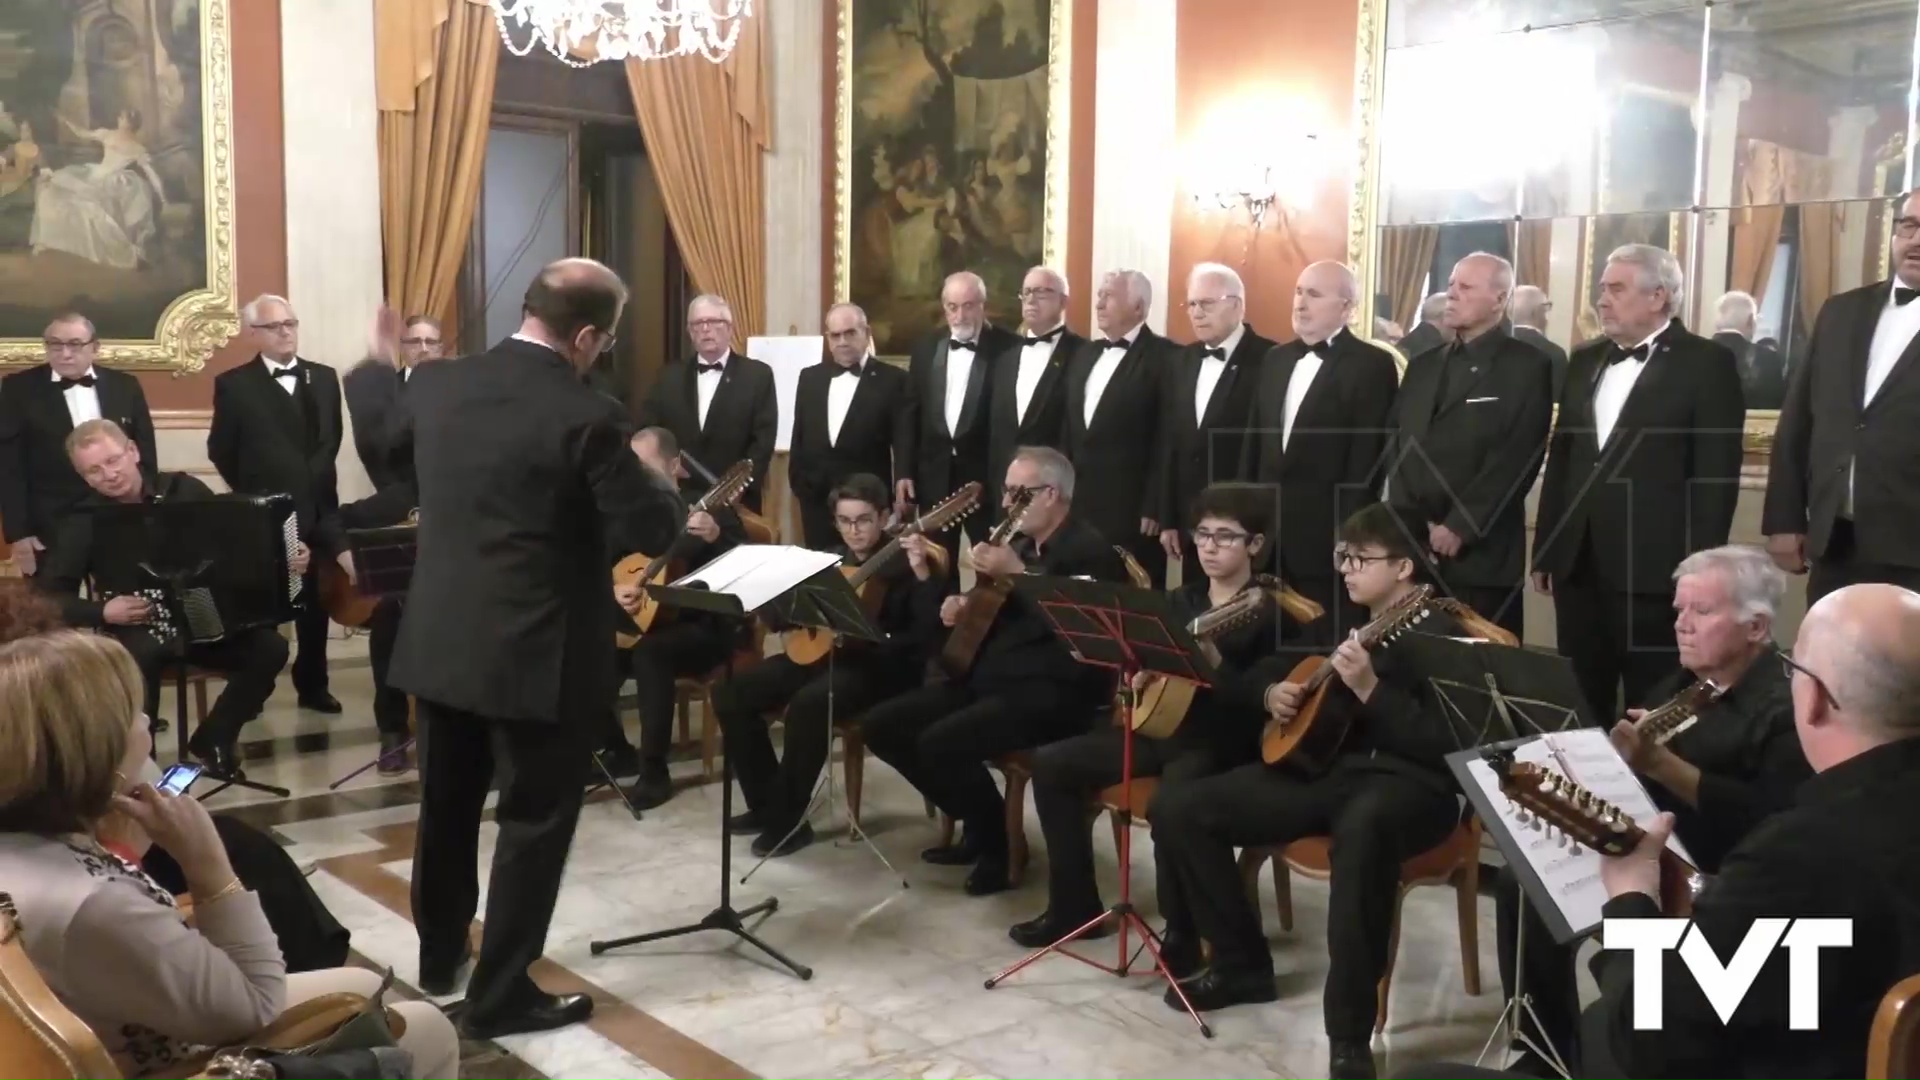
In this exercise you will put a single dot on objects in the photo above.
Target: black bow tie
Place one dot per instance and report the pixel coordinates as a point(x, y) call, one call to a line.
point(1046, 338)
point(68, 384)
point(1902, 295)
point(1114, 343)
point(283, 373)
point(1213, 352)
point(1638, 352)
point(704, 367)
point(954, 344)
point(839, 371)
point(1321, 348)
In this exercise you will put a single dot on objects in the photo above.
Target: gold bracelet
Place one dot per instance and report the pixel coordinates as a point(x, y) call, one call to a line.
point(226, 890)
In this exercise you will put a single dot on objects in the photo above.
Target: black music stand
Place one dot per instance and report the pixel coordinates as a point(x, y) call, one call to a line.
point(1131, 631)
point(727, 606)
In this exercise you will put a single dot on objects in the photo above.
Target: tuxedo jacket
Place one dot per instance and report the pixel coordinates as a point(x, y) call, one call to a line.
point(1007, 430)
point(1763, 371)
point(1331, 465)
point(1549, 348)
point(374, 390)
point(947, 459)
point(265, 441)
point(743, 420)
point(39, 488)
point(1119, 459)
point(1824, 429)
point(875, 437)
point(1665, 483)
point(1468, 458)
point(1198, 454)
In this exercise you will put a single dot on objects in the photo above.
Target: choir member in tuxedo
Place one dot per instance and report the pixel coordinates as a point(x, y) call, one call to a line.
point(1026, 403)
point(1643, 470)
point(863, 674)
point(1470, 424)
point(1208, 400)
point(39, 408)
point(950, 370)
point(1763, 371)
point(681, 643)
point(1320, 417)
point(719, 405)
point(1024, 688)
point(1841, 497)
point(851, 414)
point(1231, 524)
point(374, 389)
point(276, 430)
point(527, 495)
point(1528, 313)
point(1428, 333)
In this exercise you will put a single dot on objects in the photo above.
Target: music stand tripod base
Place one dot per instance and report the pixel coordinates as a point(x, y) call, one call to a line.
point(222, 781)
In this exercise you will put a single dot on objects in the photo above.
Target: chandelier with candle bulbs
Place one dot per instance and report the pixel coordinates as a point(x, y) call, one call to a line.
point(581, 32)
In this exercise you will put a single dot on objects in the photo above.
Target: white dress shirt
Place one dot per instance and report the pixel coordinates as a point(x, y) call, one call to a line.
point(1211, 368)
point(840, 390)
point(1298, 383)
point(959, 369)
point(1891, 335)
point(1102, 373)
point(287, 374)
point(706, 383)
point(1033, 364)
point(83, 402)
point(1616, 382)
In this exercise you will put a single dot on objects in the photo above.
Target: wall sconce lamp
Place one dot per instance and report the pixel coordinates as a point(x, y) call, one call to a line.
point(1259, 188)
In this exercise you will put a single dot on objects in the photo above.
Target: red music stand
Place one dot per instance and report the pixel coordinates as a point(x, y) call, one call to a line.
point(1128, 630)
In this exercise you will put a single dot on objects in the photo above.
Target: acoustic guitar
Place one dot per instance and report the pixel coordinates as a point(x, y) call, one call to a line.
point(643, 570)
point(340, 595)
point(1557, 802)
point(1660, 725)
point(1161, 705)
point(986, 598)
point(1310, 740)
point(809, 644)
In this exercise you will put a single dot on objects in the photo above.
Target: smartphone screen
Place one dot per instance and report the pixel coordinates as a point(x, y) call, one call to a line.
point(178, 778)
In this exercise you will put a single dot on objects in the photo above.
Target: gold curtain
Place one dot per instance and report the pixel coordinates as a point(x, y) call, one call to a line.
point(706, 132)
point(1820, 272)
point(434, 72)
point(1757, 221)
point(1406, 255)
point(1533, 252)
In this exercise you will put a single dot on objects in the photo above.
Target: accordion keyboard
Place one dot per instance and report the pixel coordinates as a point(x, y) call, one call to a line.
point(160, 622)
point(290, 531)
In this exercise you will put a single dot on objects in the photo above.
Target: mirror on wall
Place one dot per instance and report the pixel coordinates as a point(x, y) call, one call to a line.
point(1761, 141)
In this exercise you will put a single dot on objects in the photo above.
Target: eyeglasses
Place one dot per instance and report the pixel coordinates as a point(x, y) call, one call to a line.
point(278, 327)
point(709, 324)
point(1222, 538)
point(1794, 667)
point(1038, 293)
point(1907, 228)
point(55, 345)
point(1206, 305)
point(426, 341)
point(1343, 559)
point(862, 522)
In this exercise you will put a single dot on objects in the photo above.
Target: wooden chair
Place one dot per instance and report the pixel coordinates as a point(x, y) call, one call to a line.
point(40, 1036)
point(1893, 1047)
point(689, 691)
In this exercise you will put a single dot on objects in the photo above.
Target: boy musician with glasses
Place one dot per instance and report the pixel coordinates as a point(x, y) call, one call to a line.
point(1222, 727)
point(863, 674)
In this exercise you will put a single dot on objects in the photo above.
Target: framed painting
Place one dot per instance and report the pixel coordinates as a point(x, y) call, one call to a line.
point(116, 177)
point(950, 154)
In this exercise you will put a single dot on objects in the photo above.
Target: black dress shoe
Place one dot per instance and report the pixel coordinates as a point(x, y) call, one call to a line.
point(1350, 1059)
point(964, 853)
point(439, 980)
point(1045, 930)
point(1182, 957)
point(747, 824)
point(618, 761)
point(653, 789)
point(551, 1011)
point(220, 756)
point(989, 876)
point(321, 702)
point(1218, 989)
point(770, 843)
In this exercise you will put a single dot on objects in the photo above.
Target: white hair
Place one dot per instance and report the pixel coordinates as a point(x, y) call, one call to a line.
point(1055, 470)
point(1528, 307)
point(1220, 272)
point(718, 303)
point(1137, 287)
point(1756, 585)
point(845, 306)
point(973, 281)
point(1349, 284)
point(1433, 307)
point(251, 313)
point(1658, 270)
point(1502, 269)
point(1735, 311)
point(1059, 280)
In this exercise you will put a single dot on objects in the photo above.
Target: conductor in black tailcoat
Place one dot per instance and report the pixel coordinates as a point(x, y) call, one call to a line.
point(719, 405)
point(526, 488)
point(1025, 403)
point(276, 430)
point(852, 414)
point(950, 369)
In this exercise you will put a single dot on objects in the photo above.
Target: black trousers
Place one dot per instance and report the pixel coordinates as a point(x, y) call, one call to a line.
point(1376, 819)
point(545, 769)
point(691, 646)
point(778, 789)
point(310, 638)
point(1837, 569)
point(311, 939)
point(816, 522)
point(389, 705)
point(1617, 641)
point(940, 736)
point(250, 660)
point(1066, 774)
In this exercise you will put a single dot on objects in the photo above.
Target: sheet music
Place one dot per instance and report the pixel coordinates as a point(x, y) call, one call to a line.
point(1571, 872)
point(756, 573)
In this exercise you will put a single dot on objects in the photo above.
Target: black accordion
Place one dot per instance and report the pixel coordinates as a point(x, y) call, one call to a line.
point(211, 566)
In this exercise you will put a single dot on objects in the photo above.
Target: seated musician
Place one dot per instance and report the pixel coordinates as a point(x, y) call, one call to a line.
point(1848, 848)
point(680, 643)
point(1022, 689)
point(864, 673)
point(1231, 524)
point(1739, 762)
point(1387, 797)
point(250, 660)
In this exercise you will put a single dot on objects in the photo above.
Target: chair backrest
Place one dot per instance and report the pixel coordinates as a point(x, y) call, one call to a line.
point(40, 1036)
point(760, 530)
point(1893, 1048)
point(1135, 572)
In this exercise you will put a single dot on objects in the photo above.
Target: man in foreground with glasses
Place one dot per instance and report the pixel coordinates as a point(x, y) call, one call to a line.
point(914, 581)
point(720, 404)
point(39, 407)
point(1387, 797)
point(1027, 399)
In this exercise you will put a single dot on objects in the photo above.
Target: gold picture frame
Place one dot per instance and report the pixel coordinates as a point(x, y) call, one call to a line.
point(199, 320)
point(1058, 150)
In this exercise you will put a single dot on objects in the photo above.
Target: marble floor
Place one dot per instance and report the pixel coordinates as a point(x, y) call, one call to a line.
point(898, 954)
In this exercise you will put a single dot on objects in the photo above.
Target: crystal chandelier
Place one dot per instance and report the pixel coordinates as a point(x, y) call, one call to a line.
point(620, 29)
